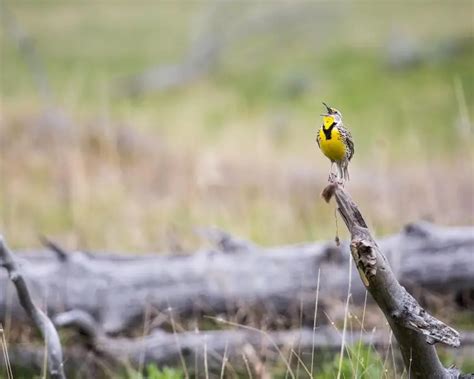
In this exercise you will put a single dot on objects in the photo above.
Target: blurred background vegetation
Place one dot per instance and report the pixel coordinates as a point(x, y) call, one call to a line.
point(93, 160)
point(126, 125)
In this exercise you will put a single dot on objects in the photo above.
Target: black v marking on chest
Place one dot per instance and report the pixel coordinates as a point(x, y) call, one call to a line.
point(327, 132)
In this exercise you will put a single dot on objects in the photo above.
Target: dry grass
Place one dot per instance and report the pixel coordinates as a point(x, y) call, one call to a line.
point(115, 186)
point(235, 148)
point(6, 358)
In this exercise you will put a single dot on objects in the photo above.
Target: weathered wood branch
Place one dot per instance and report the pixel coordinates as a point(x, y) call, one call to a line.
point(37, 316)
point(415, 330)
point(116, 289)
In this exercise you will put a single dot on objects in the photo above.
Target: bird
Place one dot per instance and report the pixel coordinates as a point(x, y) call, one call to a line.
point(336, 143)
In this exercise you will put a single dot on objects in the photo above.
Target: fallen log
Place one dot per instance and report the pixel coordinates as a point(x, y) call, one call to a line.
point(215, 350)
point(116, 289)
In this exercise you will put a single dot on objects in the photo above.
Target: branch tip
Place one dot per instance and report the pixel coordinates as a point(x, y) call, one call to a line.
point(61, 253)
point(81, 321)
point(329, 192)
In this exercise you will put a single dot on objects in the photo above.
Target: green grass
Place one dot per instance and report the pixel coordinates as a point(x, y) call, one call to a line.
point(153, 372)
point(87, 48)
point(363, 362)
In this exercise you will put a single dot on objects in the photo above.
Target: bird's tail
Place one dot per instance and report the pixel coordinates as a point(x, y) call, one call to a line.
point(342, 168)
point(345, 174)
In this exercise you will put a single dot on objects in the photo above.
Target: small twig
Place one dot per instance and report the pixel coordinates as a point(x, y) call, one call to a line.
point(55, 248)
point(336, 238)
point(39, 318)
point(82, 321)
point(224, 241)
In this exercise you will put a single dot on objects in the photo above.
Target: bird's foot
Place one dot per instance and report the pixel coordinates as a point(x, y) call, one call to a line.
point(332, 178)
point(335, 179)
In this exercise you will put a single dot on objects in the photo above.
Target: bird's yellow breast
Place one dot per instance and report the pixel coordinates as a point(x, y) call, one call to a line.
point(334, 147)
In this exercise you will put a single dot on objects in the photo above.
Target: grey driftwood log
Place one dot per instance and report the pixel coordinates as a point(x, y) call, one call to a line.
point(194, 351)
point(117, 290)
point(415, 329)
point(218, 350)
point(54, 362)
point(214, 348)
point(209, 348)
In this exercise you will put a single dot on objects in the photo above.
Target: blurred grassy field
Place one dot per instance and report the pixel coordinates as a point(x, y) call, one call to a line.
point(235, 148)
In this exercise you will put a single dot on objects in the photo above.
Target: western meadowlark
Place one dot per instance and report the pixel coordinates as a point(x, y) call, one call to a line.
point(336, 143)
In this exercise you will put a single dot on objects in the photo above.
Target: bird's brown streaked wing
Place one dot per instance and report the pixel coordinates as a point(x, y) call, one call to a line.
point(349, 142)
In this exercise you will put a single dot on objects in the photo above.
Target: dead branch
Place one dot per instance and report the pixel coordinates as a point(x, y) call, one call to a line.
point(415, 330)
point(39, 318)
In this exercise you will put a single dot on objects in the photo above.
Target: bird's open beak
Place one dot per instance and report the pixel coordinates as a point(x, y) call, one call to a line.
point(327, 107)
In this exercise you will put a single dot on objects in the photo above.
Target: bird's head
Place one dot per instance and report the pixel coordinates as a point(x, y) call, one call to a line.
point(332, 116)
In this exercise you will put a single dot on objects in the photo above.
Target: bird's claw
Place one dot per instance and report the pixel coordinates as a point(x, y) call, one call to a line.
point(335, 179)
